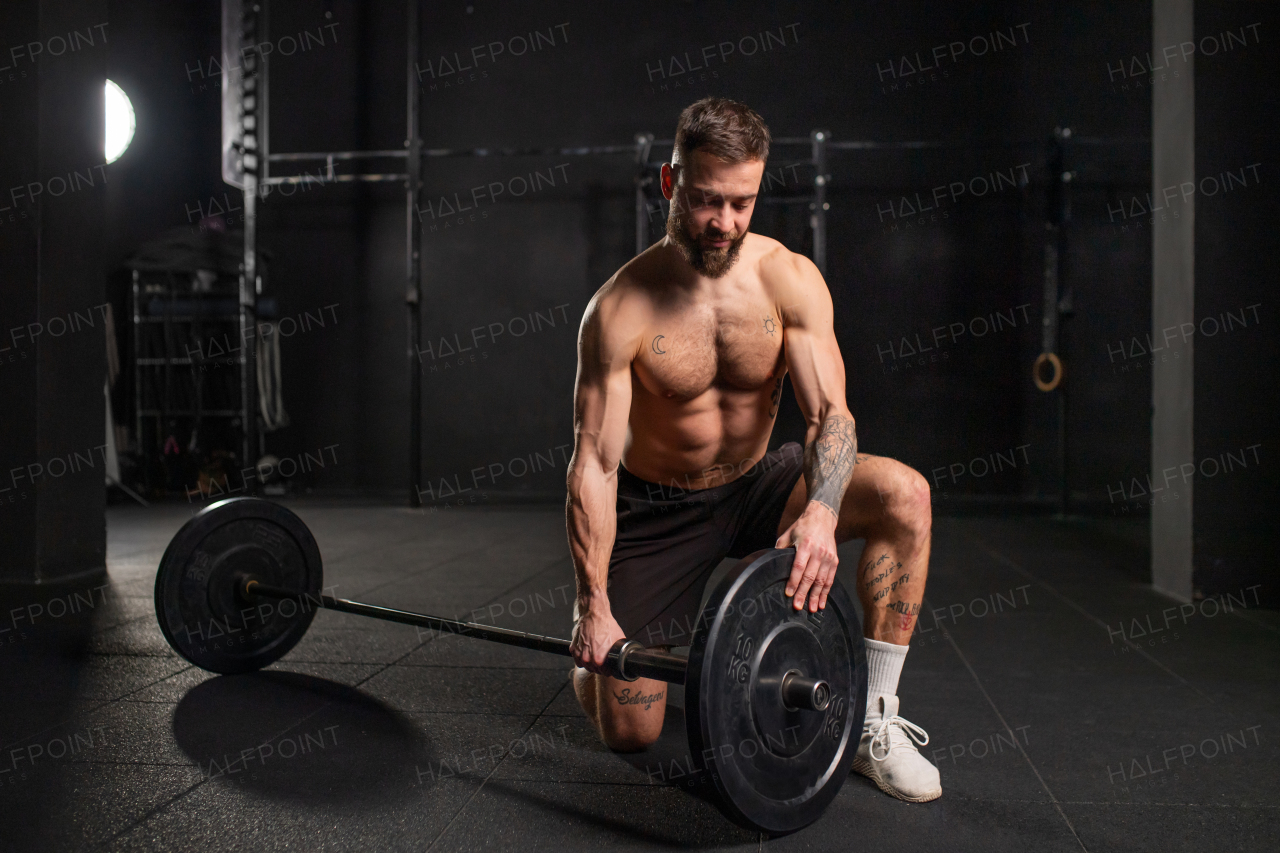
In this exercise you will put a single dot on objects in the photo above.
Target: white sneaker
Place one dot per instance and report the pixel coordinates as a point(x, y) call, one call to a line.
point(887, 754)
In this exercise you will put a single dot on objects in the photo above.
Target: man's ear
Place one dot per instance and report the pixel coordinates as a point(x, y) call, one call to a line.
point(667, 180)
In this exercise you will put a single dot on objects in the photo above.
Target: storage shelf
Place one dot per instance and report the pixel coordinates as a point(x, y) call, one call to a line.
point(178, 393)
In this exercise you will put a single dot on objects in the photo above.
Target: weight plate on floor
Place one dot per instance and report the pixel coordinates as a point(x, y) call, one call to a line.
point(776, 769)
point(198, 602)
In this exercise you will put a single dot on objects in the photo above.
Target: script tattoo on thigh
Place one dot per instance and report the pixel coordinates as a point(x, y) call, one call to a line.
point(830, 460)
point(645, 699)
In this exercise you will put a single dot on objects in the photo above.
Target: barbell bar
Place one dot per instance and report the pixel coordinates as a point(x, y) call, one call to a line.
point(627, 660)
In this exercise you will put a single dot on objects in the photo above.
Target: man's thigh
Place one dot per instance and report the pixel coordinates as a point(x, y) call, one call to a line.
point(631, 708)
point(875, 480)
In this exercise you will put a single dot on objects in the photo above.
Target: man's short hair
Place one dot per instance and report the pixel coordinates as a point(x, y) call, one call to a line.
point(725, 129)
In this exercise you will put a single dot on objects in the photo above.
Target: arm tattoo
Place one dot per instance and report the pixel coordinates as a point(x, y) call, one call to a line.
point(829, 461)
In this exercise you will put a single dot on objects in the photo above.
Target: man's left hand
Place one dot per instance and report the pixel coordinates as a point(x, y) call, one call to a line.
point(814, 571)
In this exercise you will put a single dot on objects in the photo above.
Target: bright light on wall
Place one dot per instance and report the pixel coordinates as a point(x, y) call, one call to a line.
point(120, 122)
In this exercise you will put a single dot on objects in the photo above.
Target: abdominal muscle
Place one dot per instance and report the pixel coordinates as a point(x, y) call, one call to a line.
point(700, 443)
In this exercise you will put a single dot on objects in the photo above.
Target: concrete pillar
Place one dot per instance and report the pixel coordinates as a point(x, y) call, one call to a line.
point(1173, 148)
point(52, 291)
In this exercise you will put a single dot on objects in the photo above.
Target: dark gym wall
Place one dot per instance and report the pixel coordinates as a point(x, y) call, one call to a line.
point(316, 236)
point(972, 259)
point(894, 273)
point(607, 76)
point(1237, 417)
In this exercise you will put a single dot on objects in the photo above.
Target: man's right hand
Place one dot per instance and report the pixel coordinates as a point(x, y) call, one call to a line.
point(593, 637)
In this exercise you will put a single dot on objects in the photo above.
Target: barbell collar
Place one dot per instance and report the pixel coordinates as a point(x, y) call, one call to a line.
point(617, 659)
point(799, 692)
point(629, 660)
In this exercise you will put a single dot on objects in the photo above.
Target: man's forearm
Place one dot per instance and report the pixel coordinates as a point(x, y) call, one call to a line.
point(829, 461)
point(591, 519)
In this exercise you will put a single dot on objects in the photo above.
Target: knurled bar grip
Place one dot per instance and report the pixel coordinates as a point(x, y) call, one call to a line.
point(628, 660)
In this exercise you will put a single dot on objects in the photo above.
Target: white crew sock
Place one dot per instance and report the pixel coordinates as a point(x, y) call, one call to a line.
point(884, 666)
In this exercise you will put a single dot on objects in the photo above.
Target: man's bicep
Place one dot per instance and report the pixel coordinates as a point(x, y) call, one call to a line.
point(817, 374)
point(812, 352)
point(602, 408)
point(602, 397)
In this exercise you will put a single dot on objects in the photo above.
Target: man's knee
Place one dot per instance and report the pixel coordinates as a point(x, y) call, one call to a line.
point(629, 738)
point(631, 731)
point(909, 503)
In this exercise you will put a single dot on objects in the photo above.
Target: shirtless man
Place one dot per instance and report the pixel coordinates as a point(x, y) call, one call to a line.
point(681, 360)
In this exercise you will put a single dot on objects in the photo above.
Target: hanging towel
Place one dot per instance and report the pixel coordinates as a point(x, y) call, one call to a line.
point(270, 397)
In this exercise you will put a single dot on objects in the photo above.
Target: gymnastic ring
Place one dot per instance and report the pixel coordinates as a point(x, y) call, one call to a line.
point(1053, 359)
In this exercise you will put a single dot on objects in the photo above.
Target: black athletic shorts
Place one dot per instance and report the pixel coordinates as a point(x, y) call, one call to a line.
point(669, 541)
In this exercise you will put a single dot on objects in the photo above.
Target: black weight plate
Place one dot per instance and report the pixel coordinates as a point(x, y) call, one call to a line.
point(197, 601)
point(776, 769)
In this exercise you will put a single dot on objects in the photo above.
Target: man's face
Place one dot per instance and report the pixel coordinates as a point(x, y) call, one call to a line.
point(711, 206)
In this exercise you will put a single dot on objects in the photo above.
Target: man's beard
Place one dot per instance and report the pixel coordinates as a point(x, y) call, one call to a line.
point(713, 262)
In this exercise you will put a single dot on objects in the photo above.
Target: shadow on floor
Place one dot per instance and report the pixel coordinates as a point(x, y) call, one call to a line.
point(668, 761)
point(294, 737)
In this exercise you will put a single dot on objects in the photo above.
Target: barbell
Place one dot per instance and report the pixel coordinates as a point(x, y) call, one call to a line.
point(775, 697)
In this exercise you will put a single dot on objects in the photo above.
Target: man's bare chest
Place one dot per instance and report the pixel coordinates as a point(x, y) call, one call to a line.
point(729, 346)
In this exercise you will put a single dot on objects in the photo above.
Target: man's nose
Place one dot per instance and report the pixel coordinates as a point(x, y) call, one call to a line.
point(723, 219)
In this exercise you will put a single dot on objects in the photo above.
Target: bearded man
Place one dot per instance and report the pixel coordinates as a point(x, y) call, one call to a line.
point(681, 360)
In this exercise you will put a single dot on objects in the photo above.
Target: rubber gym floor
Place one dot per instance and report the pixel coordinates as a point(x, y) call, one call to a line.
point(1068, 706)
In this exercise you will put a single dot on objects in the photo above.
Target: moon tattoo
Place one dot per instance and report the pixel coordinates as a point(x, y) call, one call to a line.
point(654, 345)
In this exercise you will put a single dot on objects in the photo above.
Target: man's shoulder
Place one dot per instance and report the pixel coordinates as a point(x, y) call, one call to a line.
point(791, 279)
point(777, 263)
point(632, 287)
point(619, 310)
